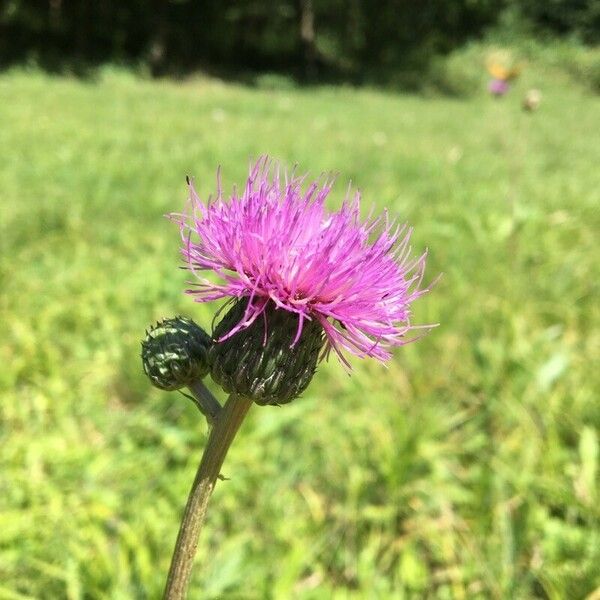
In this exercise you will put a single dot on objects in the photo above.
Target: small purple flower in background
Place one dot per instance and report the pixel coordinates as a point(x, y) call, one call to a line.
point(498, 87)
point(276, 243)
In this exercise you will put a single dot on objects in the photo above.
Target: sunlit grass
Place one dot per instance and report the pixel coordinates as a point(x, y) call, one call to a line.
point(468, 469)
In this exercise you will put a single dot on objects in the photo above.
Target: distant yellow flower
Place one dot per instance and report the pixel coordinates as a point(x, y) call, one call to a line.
point(499, 72)
point(502, 66)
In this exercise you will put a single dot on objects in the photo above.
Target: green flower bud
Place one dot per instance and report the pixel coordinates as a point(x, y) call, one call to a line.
point(271, 370)
point(174, 353)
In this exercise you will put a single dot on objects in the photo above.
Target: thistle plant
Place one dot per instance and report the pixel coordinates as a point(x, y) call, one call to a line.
point(300, 282)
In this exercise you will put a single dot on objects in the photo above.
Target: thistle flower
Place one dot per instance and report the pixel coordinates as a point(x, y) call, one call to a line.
point(301, 281)
point(277, 244)
point(498, 87)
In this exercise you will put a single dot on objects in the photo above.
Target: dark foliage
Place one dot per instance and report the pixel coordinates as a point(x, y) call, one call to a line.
point(579, 17)
point(303, 37)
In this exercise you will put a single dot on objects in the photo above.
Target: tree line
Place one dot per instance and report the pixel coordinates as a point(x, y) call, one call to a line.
point(305, 37)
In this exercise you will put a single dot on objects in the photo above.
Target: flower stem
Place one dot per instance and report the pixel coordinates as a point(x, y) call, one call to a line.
point(207, 404)
point(220, 439)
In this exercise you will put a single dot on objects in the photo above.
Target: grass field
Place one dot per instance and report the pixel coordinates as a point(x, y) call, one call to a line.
point(468, 469)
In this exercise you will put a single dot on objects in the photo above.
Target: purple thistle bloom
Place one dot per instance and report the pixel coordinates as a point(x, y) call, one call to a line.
point(498, 87)
point(277, 243)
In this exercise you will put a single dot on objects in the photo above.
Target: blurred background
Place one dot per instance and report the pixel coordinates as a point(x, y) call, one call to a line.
point(469, 467)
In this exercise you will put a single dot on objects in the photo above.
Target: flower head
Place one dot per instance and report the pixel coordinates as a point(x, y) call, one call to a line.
point(498, 87)
point(277, 246)
point(531, 100)
point(175, 353)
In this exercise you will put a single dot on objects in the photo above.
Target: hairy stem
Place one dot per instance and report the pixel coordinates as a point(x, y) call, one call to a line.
point(207, 404)
point(221, 436)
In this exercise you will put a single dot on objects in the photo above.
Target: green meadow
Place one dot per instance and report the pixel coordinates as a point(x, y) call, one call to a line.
point(466, 469)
